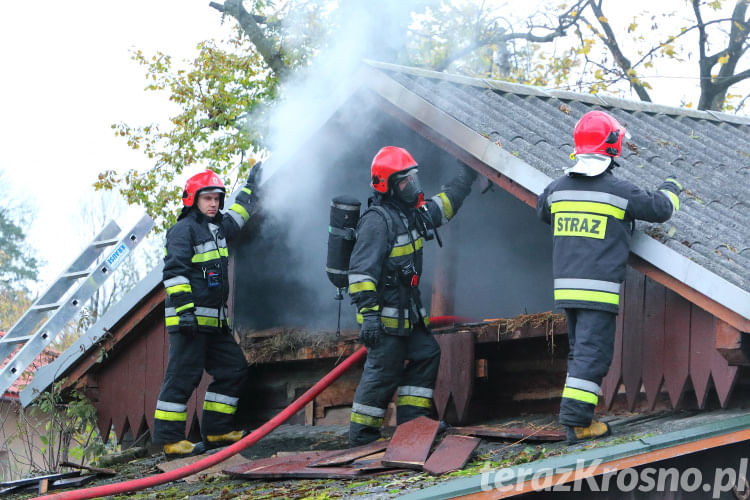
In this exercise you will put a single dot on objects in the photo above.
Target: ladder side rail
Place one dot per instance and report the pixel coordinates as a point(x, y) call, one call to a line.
point(49, 330)
point(24, 326)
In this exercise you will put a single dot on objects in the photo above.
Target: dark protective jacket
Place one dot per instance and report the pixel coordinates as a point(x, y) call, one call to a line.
point(592, 224)
point(384, 248)
point(196, 262)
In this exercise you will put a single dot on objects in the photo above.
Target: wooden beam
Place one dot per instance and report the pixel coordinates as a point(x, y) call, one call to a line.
point(732, 318)
point(729, 344)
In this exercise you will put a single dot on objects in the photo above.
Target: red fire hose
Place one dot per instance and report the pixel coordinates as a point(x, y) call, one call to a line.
point(220, 456)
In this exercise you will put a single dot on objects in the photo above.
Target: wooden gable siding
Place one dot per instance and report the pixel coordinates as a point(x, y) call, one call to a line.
point(665, 343)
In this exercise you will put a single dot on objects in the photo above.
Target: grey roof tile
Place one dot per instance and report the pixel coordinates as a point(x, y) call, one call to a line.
point(708, 152)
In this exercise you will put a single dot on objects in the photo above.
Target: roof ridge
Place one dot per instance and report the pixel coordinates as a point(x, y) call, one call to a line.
point(606, 101)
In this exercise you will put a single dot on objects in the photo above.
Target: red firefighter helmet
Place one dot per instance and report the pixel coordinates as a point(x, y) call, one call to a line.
point(387, 162)
point(599, 133)
point(206, 181)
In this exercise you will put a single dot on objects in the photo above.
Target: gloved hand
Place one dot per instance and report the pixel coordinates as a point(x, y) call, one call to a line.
point(188, 324)
point(468, 173)
point(672, 181)
point(254, 176)
point(371, 330)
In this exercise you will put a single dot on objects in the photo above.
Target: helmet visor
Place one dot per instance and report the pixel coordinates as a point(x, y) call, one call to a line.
point(407, 186)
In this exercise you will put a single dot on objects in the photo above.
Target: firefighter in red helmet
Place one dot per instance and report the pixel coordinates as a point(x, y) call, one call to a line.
point(593, 213)
point(197, 284)
point(384, 272)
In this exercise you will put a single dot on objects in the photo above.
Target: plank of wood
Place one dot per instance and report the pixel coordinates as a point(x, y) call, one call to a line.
point(217, 469)
point(516, 433)
point(301, 458)
point(347, 456)
point(294, 470)
point(411, 443)
point(451, 454)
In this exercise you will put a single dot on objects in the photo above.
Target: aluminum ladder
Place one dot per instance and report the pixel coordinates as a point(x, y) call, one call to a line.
point(63, 305)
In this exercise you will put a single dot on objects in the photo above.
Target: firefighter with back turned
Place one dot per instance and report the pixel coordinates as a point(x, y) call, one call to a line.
point(593, 215)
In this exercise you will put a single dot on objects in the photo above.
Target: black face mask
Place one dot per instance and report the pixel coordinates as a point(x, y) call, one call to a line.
point(407, 187)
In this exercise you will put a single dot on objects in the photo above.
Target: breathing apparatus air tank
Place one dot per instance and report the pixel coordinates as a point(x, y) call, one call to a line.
point(341, 238)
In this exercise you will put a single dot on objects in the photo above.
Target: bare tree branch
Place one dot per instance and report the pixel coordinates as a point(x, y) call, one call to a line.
point(249, 24)
point(501, 36)
point(623, 62)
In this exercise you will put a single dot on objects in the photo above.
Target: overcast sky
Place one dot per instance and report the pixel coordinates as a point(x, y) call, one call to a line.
point(67, 76)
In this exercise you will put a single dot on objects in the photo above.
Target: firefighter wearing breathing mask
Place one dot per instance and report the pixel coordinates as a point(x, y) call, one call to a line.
point(196, 279)
point(384, 273)
point(592, 214)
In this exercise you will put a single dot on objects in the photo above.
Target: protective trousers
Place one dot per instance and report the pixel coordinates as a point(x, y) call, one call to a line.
point(223, 359)
point(591, 335)
point(384, 372)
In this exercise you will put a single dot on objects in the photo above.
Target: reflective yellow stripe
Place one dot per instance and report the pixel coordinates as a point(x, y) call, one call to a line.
point(171, 416)
point(212, 255)
point(406, 249)
point(361, 286)
point(367, 420)
point(247, 190)
point(219, 407)
point(182, 308)
point(240, 210)
point(414, 401)
point(579, 395)
point(447, 207)
point(369, 309)
point(672, 179)
point(389, 322)
point(426, 321)
point(165, 251)
point(587, 206)
point(207, 321)
point(588, 296)
point(179, 288)
point(172, 321)
point(675, 199)
point(393, 322)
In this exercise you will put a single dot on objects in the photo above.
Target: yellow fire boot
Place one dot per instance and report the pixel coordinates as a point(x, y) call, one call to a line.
point(595, 430)
point(216, 441)
point(182, 449)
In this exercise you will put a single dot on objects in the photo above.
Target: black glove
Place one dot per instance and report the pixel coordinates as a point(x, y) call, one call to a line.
point(468, 173)
point(254, 176)
point(672, 184)
point(188, 324)
point(371, 330)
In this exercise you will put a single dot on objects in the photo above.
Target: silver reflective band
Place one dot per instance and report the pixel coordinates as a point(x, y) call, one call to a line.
point(170, 311)
point(344, 206)
point(177, 280)
point(205, 247)
point(207, 311)
point(173, 407)
point(370, 411)
point(336, 271)
point(596, 196)
point(356, 278)
point(221, 398)
point(237, 218)
point(392, 312)
point(584, 385)
point(410, 390)
point(585, 284)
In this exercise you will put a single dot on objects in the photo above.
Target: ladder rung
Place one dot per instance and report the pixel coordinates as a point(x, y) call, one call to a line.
point(16, 340)
point(76, 274)
point(46, 307)
point(106, 243)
